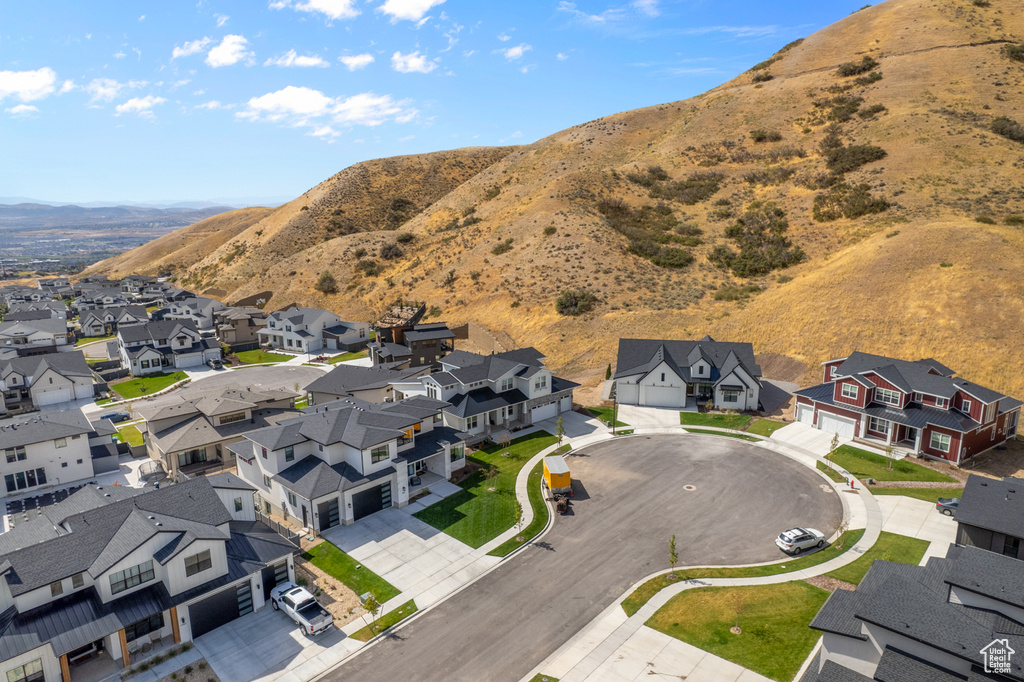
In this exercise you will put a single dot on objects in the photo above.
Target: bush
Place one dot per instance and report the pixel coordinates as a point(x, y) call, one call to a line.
point(502, 247)
point(841, 108)
point(1008, 128)
point(1014, 220)
point(856, 68)
point(492, 192)
point(359, 253)
point(326, 284)
point(660, 255)
point(769, 176)
point(550, 230)
point(650, 230)
point(845, 159)
point(391, 252)
point(845, 201)
point(981, 3)
point(761, 66)
point(762, 77)
point(872, 77)
point(739, 293)
point(653, 175)
point(698, 187)
point(761, 135)
point(987, 220)
point(789, 46)
point(405, 237)
point(1014, 52)
point(370, 268)
point(575, 302)
point(760, 235)
point(870, 112)
point(399, 210)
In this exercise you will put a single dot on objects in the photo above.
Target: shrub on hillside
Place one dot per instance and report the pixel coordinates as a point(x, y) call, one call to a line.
point(1008, 128)
point(739, 293)
point(405, 237)
point(399, 210)
point(846, 201)
point(391, 252)
point(984, 219)
point(370, 268)
point(845, 159)
point(359, 253)
point(760, 77)
point(1015, 52)
point(575, 302)
point(661, 255)
point(1014, 220)
point(652, 232)
point(550, 230)
point(761, 66)
point(698, 187)
point(789, 46)
point(769, 176)
point(760, 235)
point(761, 135)
point(872, 77)
point(870, 112)
point(326, 284)
point(652, 175)
point(840, 108)
point(502, 247)
point(856, 68)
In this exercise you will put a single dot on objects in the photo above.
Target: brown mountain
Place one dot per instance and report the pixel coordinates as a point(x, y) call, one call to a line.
point(860, 157)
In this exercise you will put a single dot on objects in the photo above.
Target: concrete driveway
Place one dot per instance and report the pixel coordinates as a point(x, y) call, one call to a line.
point(649, 417)
point(575, 424)
point(628, 500)
point(805, 436)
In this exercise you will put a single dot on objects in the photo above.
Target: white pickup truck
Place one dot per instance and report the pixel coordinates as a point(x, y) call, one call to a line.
point(301, 607)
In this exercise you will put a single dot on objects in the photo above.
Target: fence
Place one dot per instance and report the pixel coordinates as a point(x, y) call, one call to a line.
point(240, 347)
point(488, 341)
point(281, 529)
point(106, 365)
point(111, 374)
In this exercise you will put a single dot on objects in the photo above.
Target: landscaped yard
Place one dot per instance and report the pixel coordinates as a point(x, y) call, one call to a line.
point(385, 620)
point(890, 547)
point(477, 514)
point(130, 434)
point(349, 356)
point(147, 385)
point(741, 436)
point(540, 514)
point(926, 494)
point(830, 472)
point(254, 357)
point(91, 339)
point(605, 415)
point(864, 464)
point(773, 619)
point(341, 566)
point(765, 427)
point(722, 421)
point(643, 594)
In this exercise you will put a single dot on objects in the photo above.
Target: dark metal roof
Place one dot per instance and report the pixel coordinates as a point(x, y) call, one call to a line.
point(994, 505)
point(915, 415)
point(425, 332)
point(482, 400)
point(429, 443)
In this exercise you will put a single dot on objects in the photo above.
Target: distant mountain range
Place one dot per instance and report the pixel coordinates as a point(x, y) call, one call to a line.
point(233, 202)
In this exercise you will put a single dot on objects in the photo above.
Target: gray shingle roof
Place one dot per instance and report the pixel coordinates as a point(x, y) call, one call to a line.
point(345, 379)
point(70, 364)
point(915, 415)
point(49, 326)
point(37, 427)
point(302, 315)
point(639, 356)
point(228, 481)
point(897, 666)
point(199, 431)
point(425, 332)
point(311, 477)
point(152, 332)
point(833, 672)
point(481, 400)
point(994, 505)
point(921, 376)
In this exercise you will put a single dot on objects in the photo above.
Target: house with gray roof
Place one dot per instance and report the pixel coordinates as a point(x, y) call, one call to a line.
point(931, 623)
point(113, 576)
point(43, 380)
point(56, 309)
point(917, 407)
point(345, 460)
point(421, 345)
point(308, 330)
point(164, 346)
point(199, 309)
point(106, 321)
point(239, 325)
point(687, 374)
point(97, 298)
point(32, 337)
point(372, 384)
point(490, 395)
point(991, 515)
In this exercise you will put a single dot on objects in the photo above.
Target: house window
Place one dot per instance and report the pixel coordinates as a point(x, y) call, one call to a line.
point(939, 441)
point(60, 443)
point(145, 364)
point(144, 627)
point(990, 412)
point(266, 481)
point(291, 499)
point(236, 417)
point(238, 504)
point(730, 396)
point(30, 672)
point(884, 395)
point(264, 452)
point(289, 453)
point(940, 402)
point(1011, 546)
point(379, 454)
point(472, 422)
point(965, 407)
point(541, 381)
point(26, 479)
point(850, 391)
point(406, 437)
point(878, 425)
point(458, 452)
point(15, 454)
point(832, 371)
point(197, 563)
point(56, 588)
point(507, 384)
point(432, 392)
point(918, 397)
point(77, 580)
point(130, 577)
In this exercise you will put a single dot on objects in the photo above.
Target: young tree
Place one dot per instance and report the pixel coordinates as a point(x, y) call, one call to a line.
point(608, 372)
point(518, 511)
point(841, 530)
point(889, 450)
point(374, 608)
point(559, 430)
point(673, 555)
point(491, 473)
point(833, 446)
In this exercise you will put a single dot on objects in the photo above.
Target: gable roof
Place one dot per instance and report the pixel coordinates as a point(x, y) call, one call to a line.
point(137, 311)
point(640, 356)
point(69, 365)
point(37, 427)
point(994, 505)
point(27, 327)
point(919, 376)
point(345, 379)
point(151, 332)
point(296, 315)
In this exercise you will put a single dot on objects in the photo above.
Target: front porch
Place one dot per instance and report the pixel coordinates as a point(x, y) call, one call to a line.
point(881, 433)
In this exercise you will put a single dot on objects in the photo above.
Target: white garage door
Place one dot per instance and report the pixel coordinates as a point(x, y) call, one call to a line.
point(567, 403)
point(662, 396)
point(830, 422)
point(544, 412)
point(805, 414)
point(61, 395)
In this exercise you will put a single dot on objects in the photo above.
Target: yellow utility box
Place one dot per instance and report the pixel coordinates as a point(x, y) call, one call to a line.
point(556, 475)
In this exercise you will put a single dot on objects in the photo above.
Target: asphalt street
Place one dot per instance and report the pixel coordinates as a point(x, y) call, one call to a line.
point(629, 499)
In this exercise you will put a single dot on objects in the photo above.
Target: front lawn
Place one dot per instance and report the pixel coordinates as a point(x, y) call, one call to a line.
point(476, 514)
point(830, 472)
point(643, 594)
point(890, 547)
point(341, 566)
point(864, 464)
point(147, 385)
point(540, 514)
point(765, 427)
point(926, 494)
point(722, 421)
point(91, 339)
point(605, 415)
point(385, 621)
point(775, 637)
point(741, 436)
point(131, 435)
point(349, 356)
point(255, 357)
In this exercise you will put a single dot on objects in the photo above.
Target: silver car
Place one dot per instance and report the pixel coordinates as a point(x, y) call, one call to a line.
point(796, 540)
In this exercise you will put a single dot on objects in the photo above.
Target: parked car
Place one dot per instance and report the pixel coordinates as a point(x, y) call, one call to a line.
point(796, 540)
point(117, 416)
point(948, 505)
point(302, 608)
point(215, 363)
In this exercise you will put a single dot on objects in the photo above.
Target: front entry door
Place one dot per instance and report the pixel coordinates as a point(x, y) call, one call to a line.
point(305, 519)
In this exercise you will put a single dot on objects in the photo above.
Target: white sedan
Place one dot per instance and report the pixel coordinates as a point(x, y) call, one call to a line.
point(796, 540)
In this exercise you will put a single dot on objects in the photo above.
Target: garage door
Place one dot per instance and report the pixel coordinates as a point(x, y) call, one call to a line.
point(371, 501)
point(328, 514)
point(567, 403)
point(274, 576)
point(543, 412)
point(830, 422)
point(805, 414)
point(219, 609)
point(662, 396)
point(61, 395)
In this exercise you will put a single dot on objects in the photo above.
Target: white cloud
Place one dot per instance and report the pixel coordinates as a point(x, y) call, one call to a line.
point(142, 18)
point(738, 31)
point(324, 132)
point(22, 110)
point(27, 85)
point(413, 62)
point(120, 54)
point(139, 105)
point(289, 58)
point(406, 138)
point(528, 68)
point(106, 89)
point(516, 52)
point(504, 37)
point(648, 7)
point(231, 50)
point(419, 24)
point(212, 105)
point(514, 136)
point(305, 107)
point(66, 86)
point(605, 17)
point(411, 10)
point(561, 56)
point(191, 48)
point(356, 61)
point(138, 53)
point(332, 9)
point(291, 101)
point(221, 19)
point(369, 109)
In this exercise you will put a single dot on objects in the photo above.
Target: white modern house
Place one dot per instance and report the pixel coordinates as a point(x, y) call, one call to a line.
point(105, 321)
point(44, 380)
point(199, 309)
point(34, 336)
point(308, 330)
point(167, 345)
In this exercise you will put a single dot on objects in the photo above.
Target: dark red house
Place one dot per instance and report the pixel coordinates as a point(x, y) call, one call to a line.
point(920, 407)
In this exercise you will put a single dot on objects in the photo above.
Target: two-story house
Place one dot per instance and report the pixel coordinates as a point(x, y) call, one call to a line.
point(17, 293)
point(101, 298)
point(192, 434)
point(34, 336)
point(199, 309)
point(53, 282)
point(44, 380)
point(157, 346)
point(340, 462)
point(307, 330)
point(106, 321)
point(919, 407)
point(135, 284)
point(372, 384)
point(56, 309)
point(113, 576)
point(421, 345)
point(239, 326)
point(493, 394)
point(991, 515)
point(682, 374)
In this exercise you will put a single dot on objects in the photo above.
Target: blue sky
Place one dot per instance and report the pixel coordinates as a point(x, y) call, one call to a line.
point(166, 101)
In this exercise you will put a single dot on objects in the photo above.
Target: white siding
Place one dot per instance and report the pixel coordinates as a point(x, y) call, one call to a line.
point(51, 664)
point(178, 582)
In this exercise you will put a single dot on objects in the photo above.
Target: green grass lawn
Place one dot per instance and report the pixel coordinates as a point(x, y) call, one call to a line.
point(147, 385)
point(543, 678)
point(252, 357)
point(104, 401)
point(540, 514)
point(605, 415)
point(385, 621)
point(741, 436)
point(864, 464)
point(890, 547)
point(301, 403)
point(774, 619)
point(830, 472)
point(722, 421)
point(643, 594)
point(349, 356)
point(765, 427)
point(336, 563)
point(91, 339)
point(926, 494)
point(476, 515)
point(131, 435)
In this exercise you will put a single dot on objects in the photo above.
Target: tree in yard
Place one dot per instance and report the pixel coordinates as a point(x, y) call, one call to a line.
point(518, 511)
point(491, 473)
point(673, 556)
point(608, 372)
point(833, 446)
point(889, 450)
point(841, 530)
point(375, 609)
point(559, 430)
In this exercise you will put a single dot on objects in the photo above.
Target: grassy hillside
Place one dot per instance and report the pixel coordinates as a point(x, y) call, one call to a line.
point(859, 157)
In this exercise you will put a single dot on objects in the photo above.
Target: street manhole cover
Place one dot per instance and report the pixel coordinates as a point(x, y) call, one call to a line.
point(689, 487)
